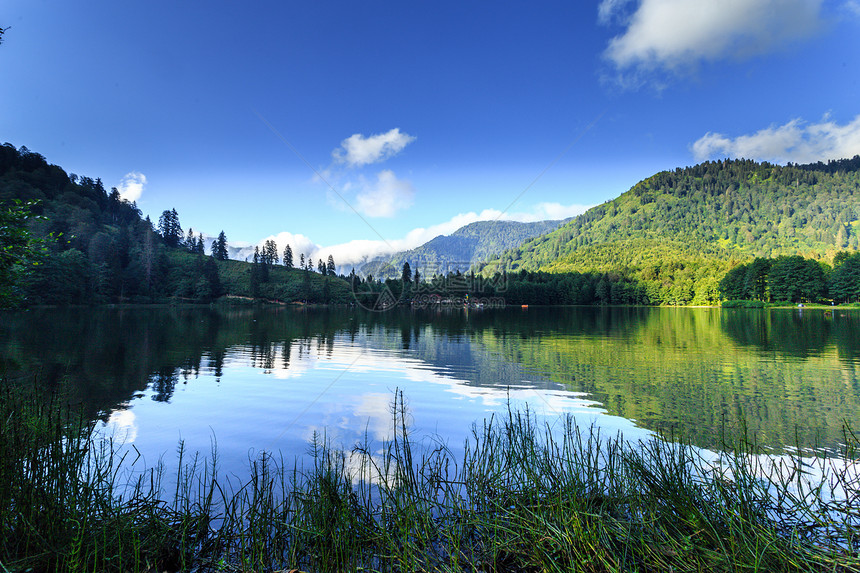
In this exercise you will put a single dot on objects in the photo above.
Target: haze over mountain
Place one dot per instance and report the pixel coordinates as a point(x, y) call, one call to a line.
point(474, 243)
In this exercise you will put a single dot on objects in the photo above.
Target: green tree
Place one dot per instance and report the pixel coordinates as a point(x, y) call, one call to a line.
point(261, 266)
point(219, 247)
point(269, 254)
point(732, 285)
point(19, 250)
point(211, 287)
point(62, 279)
point(330, 267)
point(190, 241)
point(255, 273)
point(406, 274)
point(756, 279)
point(288, 256)
point(169, 228)
point(797, 279)
point(844, 283)
point(321, 267)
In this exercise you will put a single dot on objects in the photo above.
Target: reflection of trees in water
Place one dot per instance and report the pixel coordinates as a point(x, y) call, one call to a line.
point(681, 371)
point(163, 383)
point(800, 333)
point(105, 356)
point(845, 329)
point(285, 354)
point(641, 363)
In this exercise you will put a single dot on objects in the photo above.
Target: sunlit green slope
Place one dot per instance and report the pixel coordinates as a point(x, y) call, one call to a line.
point(704, 217)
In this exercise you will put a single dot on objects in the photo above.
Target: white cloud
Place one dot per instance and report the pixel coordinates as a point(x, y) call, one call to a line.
point(131, 186)
point(609, 11)
point(796, 141)
point(358, 150)
point(385, 196)
point(852, 6)
point(676, 34)
point(558, 211)
point(298, 243)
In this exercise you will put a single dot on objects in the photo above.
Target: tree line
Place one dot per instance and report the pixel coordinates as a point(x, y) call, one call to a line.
point(795, 279)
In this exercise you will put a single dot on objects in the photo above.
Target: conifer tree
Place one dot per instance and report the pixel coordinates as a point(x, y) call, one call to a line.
point(269, 254)
point(219, 247)
point(330, 267)
point(288, 257)
point(169, 228)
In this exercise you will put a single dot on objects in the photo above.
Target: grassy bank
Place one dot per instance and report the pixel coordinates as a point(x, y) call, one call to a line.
point(517, 497)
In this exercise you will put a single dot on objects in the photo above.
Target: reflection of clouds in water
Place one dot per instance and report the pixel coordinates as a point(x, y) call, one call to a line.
point(121, 427)
point(376, 408)
point(345, 392)
point(358, 413)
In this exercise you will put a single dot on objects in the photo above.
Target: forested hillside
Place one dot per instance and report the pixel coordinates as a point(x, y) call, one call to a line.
point(473, 243)
point(681, 231)
point(75, 242)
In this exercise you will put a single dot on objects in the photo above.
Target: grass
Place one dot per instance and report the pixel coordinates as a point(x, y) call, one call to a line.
point(520, 496)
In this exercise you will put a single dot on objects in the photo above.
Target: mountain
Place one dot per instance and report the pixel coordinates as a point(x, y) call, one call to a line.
point(474, 243)
point(682, 230)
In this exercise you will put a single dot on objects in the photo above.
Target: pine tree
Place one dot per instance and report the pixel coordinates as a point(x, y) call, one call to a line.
point(269, 253)
point(321, 267)
point(406, 275)
point(219, 247)
point(302, 261)
point(288, 257)
point(169, 228)
point(330, 267)
point(255, 274)
point(260, 266)
point(190, 241)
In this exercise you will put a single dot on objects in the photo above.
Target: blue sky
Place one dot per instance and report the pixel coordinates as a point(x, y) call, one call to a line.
point(356, 128)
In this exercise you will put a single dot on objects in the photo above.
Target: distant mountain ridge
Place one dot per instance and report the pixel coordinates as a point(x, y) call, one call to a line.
point(474, 243)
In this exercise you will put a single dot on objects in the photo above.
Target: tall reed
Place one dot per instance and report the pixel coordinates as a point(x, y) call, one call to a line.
point(521, 496)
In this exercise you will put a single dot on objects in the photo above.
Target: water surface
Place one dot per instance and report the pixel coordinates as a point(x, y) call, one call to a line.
point(272, 379)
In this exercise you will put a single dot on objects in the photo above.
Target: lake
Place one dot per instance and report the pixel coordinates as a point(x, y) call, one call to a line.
point(255, 379)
